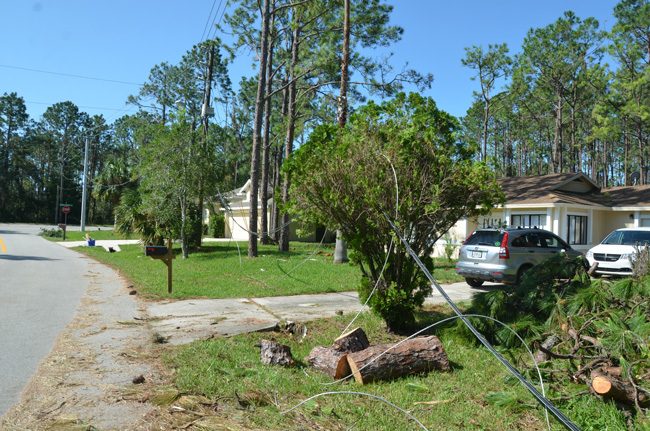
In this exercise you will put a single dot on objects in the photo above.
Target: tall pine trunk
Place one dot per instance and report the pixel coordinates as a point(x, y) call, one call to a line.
point(557, 139)
point(486, 115)
point(257, 130)
point(266, 144)
point(291, 125)
point(279, 155)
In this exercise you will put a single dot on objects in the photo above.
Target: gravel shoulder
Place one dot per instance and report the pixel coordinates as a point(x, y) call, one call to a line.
point(86, 382)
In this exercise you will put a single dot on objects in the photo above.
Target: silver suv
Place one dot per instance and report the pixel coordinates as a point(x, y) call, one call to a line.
point(503, 255)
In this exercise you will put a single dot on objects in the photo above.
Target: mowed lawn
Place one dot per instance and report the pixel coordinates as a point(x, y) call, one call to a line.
point(223, 270)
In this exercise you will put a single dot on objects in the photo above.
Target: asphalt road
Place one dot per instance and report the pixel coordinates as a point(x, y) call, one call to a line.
point(41, 285)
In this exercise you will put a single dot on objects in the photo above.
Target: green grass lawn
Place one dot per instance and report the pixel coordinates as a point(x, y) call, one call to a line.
point(229, 370)
point(219, 270)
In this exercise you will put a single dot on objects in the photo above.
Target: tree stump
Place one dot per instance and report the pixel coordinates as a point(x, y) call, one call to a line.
point(333, 360)
point(273, 353)
point(413, 356)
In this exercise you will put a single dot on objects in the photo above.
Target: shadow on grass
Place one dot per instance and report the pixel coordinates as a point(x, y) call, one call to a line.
point(222, 250)
point(288, 274)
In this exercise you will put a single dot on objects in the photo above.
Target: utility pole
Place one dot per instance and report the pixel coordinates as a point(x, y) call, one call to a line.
point(206, 113)
point(341, 248)
point(84, 187)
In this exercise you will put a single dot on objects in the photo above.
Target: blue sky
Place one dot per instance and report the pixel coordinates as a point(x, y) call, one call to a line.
point(121, 40)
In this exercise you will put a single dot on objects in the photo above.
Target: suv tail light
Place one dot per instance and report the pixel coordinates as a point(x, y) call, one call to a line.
point(469, 236)
point(504, 252)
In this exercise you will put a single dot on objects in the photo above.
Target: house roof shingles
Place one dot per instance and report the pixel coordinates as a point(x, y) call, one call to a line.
point(549, 189)
point(629, 196)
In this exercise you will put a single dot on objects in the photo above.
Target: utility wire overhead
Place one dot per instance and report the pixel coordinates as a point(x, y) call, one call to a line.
point(69, 75)
point(207, 22)
point(215, 24)
point(84, 106)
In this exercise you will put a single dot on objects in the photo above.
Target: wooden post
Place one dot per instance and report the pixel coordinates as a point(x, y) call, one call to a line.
point(168, 262)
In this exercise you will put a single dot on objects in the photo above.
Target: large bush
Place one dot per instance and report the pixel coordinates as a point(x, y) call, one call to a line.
point(401, 160)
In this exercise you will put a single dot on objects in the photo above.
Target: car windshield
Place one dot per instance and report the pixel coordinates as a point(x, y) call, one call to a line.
point(485, 237)
point(628, 237)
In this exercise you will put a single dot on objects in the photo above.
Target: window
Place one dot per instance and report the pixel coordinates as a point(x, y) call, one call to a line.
point(551, 241)
point(485, 237)
point(529, 240)
point(528, 220)
point(490, 222)
point(577, 230)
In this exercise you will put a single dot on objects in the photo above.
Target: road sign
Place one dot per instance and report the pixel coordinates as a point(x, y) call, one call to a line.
point(66, 210)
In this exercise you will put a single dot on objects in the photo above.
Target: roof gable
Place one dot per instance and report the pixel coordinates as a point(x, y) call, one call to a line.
point(575, 188)
point(578, 183)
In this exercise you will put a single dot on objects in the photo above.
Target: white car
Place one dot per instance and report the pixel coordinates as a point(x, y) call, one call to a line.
point(615, 254)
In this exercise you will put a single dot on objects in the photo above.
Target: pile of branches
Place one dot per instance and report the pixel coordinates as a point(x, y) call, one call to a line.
point(591, 332)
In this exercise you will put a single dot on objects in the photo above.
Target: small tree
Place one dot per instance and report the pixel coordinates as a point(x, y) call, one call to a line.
point(401, 160)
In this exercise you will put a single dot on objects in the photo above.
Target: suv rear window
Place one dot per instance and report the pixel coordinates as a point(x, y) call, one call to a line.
point(485, 237)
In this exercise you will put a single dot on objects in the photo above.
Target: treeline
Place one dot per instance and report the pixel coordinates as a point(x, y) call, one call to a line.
point(194, 137)
point(575, 98)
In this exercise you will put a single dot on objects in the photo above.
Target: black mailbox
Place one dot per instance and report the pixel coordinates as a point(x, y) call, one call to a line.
point(155, 250)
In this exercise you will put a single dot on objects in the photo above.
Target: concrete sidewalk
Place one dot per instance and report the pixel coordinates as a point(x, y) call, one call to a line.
point(188, 320)
point(194, 319)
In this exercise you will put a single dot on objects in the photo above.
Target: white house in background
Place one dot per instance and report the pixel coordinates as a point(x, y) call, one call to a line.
point(237, 217)
point(570, 205)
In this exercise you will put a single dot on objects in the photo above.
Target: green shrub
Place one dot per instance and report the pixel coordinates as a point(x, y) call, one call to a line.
point(195, 226)
point(52, 233)
point(641, 261)
point(217, 225)
point(450, 247)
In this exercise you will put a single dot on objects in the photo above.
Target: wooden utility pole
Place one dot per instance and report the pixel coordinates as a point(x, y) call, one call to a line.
point(205, 118)
point(341, 251)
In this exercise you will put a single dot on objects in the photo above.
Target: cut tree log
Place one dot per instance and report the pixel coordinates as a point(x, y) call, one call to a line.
point(612, 387)
point(273, 353)
point(333, 360)
point(330, 361)
point(352, 341)
point(412, 356)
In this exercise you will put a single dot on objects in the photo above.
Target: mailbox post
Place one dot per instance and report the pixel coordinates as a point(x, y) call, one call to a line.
point(165, 254)
point(65, 208)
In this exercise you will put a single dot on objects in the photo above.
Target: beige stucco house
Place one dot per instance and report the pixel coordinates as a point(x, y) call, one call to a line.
point(571, 205)
point(237, 217)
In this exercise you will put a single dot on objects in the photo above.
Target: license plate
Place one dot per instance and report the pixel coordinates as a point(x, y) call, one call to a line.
point(477, 254)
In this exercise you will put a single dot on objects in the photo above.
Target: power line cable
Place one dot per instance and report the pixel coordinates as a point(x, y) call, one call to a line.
point(69, 75)
point(84, 106)
point(214, 25)
point(205, 27)
point(545, 402)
